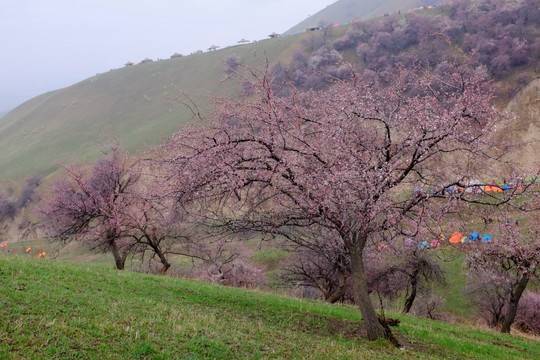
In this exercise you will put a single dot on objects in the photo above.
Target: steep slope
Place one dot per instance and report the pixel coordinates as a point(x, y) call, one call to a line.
point(137, 104)
point(345, 10)
point(526, 125)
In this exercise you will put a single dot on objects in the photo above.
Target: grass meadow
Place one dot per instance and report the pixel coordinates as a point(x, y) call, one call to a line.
point(61, 310)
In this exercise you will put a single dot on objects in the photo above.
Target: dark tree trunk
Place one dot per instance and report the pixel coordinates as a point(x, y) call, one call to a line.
point(412, 295)
point(340, 291)
point(162, 258)
point(165, 263)
point(374, 328)
point(119, 259)
point(515, 295)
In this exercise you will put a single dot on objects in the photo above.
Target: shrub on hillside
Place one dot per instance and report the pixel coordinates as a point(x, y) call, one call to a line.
point(528, 315)
point(28, 190)
point(524, 79)
point(428, 306)
point(221, 261)
point(488, 292)
point(231, 63)
point(238, 273)
point(324, 57)
point(8, 207)
point(354, 36)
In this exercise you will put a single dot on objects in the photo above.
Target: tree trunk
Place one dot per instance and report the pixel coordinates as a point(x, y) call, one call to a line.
point(374, 328)
point(165, 267)
point(119, 260)
point(412, 295)
point(515, 295)
point(340, 291)
point(163, 260)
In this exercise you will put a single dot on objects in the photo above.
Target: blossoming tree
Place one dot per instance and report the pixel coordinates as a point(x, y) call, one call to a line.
point(341, 160)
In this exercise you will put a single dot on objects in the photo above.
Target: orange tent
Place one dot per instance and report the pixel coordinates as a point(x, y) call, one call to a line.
point(28, 250)
point(492, 187)
point(456, 238)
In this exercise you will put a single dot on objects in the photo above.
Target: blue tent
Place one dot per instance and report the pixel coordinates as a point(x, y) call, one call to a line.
point(423, 245)
point(505, 187)
point(487, 239)
point(474, 236)
point(450, 190)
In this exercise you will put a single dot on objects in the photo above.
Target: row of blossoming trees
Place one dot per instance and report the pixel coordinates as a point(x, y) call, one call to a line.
point(321, 169)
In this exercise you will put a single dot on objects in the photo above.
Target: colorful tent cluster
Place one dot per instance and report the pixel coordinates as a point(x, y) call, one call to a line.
point(455, 238)
point(474, 186)
point(3, 245)
point(477, 187)
point(42, 254)
point(458, 238)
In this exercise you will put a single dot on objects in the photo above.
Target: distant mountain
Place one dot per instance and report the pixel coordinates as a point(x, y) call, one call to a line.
point(2, 113)
point(346, 10)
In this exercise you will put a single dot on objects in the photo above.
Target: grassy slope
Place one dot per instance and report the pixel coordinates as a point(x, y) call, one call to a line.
point(136, 104)
point(51, 309)
point(456, 304)
point(345, 10)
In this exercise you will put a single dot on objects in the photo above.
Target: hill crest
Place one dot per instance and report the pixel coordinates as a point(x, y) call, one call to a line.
point(343, 11)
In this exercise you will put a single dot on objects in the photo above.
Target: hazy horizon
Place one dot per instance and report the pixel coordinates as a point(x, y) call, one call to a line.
point(47, 45)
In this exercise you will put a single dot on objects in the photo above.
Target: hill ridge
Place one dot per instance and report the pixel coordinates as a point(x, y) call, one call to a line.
point(343, 11)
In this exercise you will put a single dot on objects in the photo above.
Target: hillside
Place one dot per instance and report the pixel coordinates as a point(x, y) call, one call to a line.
point(60, 310)
point(343, 11)
point(137, 104)
point(526, 107)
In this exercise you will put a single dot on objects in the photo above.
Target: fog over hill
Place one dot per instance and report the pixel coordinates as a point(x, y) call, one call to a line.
point(48, 45)
point(346, 10)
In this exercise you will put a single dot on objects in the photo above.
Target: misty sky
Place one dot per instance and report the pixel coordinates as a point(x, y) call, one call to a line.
point(50, 44)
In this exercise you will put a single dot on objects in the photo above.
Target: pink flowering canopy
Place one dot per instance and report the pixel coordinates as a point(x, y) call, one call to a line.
point(338, 159)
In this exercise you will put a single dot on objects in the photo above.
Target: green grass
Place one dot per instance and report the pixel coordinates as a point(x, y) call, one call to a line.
point(51, 309)
point(455, 300)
